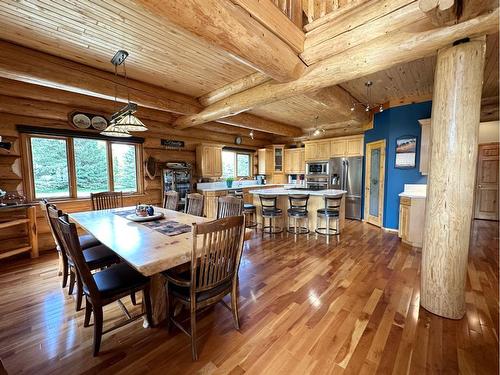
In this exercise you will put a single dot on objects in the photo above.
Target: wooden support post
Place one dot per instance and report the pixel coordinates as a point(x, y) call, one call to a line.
point(32, 230)
point(450, 192)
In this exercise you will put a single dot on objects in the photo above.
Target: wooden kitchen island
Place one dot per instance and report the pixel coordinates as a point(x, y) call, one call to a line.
point(315, 202)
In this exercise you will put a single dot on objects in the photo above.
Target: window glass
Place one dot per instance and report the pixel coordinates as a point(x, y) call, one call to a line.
point(243, 165)
point(50, 167)
point(124, 167)
point(228, 164)
point(91, 164)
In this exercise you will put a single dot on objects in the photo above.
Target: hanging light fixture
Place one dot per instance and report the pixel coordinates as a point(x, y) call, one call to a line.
point(123, 121)
point(317, 131)
point(368, 106)
point(251, 134)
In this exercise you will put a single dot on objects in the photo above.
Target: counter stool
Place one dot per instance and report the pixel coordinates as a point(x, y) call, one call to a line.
point(297, 212)
point(250, 213)
point(330, 212)
point(270, 211)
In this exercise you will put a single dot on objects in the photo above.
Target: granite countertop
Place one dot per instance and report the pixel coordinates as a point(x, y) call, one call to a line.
point(284, 191)
point(235, 187)
point(418, 191)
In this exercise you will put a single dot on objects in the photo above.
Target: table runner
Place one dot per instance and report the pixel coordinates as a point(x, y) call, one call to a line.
point(167, 227)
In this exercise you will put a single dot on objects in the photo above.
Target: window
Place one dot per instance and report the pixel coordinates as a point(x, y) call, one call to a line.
point(236, 164)
point(71, 167)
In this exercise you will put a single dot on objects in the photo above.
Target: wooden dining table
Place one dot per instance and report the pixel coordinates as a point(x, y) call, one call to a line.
point(147, 250)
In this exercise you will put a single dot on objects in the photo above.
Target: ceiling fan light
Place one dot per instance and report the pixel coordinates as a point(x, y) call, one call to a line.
point(130, 123)
point(352, 109)
point(381, 108)
point(115, 131)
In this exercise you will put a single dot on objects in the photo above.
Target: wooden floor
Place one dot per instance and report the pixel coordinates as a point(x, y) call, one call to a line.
point(305, 307)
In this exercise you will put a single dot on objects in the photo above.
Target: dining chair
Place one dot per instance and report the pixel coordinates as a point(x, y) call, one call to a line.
point(229, 206)
point(104, 287)
point(194, 204)
point(171, 200)
point(106, 200)
point(86, 240)
point(215, 260)
point(96, 257)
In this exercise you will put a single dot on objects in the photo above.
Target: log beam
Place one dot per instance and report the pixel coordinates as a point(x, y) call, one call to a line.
point(450, 192)
point(447, 12)
point(16, 63)
point(380, 54)
point(231, 28)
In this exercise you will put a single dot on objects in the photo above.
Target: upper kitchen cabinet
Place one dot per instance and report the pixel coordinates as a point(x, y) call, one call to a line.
point(209, 160)
point(295, 161)
point(347, 146)
point(425, 145)
point(278, 159)
point(265, 161)
point(317, 150)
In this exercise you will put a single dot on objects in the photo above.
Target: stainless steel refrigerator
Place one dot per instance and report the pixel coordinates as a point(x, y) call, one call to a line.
point(346, 174)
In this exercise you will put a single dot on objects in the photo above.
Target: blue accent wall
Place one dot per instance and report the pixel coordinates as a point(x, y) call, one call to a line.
point(390, 125)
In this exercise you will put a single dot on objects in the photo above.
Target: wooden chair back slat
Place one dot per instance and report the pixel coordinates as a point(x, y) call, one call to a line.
point(194, 204)
point(268, 202)
point(171, 200)
point(332, 202)
point(106, 200)
point(298, 202)
point(229, 206)
point(220, 252)
point(69, 237)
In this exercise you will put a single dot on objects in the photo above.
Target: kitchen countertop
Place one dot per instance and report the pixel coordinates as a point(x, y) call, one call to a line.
point(418, 191)
point(235, 187)
point(284, 191)
point(412, 194)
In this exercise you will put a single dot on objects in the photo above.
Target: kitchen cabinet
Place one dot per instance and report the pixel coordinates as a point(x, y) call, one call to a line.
point(209, 160)
point(294, 161)
point(278, 158)
point(425, 145)
point(211, 201)
point(347, 146)
point(265, 161)
point(317, 150)
point(411, 220)
point(338, 147)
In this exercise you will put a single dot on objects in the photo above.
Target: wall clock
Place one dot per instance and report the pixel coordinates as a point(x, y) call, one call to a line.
point(238, 140)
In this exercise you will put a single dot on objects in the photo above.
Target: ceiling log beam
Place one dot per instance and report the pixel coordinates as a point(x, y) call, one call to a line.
point(376, 55)
point(16, 63)
point(234, 30)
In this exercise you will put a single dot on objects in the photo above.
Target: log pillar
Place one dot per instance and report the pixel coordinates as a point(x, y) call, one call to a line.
point(450, 191)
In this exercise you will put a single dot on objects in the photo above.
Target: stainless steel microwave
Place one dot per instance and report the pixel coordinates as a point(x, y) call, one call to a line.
point(318, 168)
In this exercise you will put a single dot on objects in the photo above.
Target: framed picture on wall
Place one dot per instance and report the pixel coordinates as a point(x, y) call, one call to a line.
point(406, 152)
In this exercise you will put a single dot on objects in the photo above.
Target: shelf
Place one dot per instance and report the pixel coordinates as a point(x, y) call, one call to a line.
point(8, 224)
point(15, 252)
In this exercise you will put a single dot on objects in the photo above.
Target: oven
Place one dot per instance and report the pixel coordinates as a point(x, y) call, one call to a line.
point(318, 168)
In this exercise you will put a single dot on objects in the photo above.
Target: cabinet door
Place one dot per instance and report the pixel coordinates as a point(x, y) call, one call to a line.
point(217, 161)
point(323, 150)
point(311, 151)
point(206, 164)
point(278, 160)
point(302, 162)
point(338, 147)
point(269, 162)
point(261, 161)
point(288, 167)
point(354, 147)
point(404, 221)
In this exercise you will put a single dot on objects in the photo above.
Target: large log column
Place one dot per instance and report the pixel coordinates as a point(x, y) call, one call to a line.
point(450, 192)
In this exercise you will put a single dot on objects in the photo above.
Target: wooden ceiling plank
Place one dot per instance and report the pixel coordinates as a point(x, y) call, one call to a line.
point(384, 52)
point(247, 120)
point(229, 27)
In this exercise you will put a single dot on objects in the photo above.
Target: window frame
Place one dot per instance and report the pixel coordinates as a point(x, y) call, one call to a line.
point(28, 173)
point(250, 157)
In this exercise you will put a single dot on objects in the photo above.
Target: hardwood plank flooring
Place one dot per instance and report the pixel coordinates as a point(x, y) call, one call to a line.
point(305, 307)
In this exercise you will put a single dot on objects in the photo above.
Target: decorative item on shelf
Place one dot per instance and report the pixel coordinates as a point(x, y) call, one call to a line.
point(83, 120)
point(150, 168)
point(11, 198)
point(2, 194)
point(5, 145)
point(123, 121)
point(406, 148)
point(369, 105)
point(229, 182)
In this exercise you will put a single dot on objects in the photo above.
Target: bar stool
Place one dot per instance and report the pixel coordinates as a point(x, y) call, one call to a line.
point(331, 211)
point(297, 212)
point(250, 213)
point(270, 211)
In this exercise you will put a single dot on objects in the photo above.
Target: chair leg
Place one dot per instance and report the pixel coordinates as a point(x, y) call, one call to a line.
point(234, 307)
point(132, 298)
point(97, 328)
point(88, 312)
point(71, 281)
point(193, 333)
point(146, 299)
point(79, 293)
point(65, 272)
point(327, 229)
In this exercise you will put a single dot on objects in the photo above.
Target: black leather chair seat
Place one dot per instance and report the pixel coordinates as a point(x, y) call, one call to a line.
point(118, 278)
point(88, 240)
point(297, 213)
point(328, 212)
point(272, 212)
point(99, 255)
point(248, 206)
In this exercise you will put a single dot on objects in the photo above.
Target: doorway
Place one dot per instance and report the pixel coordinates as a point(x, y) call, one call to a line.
point(374, 182)
point(486, 192)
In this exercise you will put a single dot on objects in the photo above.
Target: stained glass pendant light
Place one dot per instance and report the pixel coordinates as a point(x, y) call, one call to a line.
point(123, 121)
